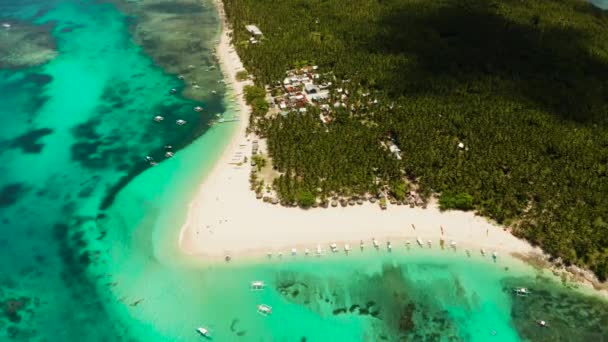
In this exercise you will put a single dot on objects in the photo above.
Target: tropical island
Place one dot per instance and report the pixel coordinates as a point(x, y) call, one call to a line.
point(496, 106)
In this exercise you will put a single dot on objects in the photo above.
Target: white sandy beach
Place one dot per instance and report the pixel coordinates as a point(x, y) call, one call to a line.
point(226, 218)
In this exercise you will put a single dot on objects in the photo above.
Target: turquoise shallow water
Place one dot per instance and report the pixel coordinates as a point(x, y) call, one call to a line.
point(89, 230)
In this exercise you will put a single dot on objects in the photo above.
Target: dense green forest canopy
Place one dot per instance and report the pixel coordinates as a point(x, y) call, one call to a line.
point(522, 84)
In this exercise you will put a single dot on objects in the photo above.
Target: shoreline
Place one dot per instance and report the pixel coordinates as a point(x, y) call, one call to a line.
point(225, 218)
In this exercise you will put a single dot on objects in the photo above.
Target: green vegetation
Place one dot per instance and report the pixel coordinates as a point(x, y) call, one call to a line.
point(256, 97)
point(260, 161)
point(461, 201)
point(521, 84)
point(242, 76)
point(306, 199)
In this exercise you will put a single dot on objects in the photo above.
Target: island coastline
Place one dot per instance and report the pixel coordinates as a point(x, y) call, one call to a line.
point(225, 219)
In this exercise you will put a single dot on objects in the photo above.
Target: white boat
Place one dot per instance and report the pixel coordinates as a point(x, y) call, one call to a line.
point(198, 109)
point(453, 244)
point(521, 291)
point(420, 243)
point(6, 25)
point(494, 255)
point(158, 118)
point(361, 244)
point(346, 248)
point(375, 243)
point(306, 251)
point(294, 252)
point(334, 247)
point(203, 331)
point(257, 285)
point(180, 122)
point(542, 323)
point(168, 154)
point(264, 309)
point(148, 158)
point(428, 242)
point(319, 250)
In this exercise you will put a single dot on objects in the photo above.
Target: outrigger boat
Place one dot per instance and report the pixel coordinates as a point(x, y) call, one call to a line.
point(264, 309)
point(521, 291)
point(203, 331)
point(334, 247)
point(420, 243)
point(257, 285)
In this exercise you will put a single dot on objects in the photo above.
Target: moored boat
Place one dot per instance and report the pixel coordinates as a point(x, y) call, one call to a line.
point(521, 291)
point(264, 309)
point(203, 331)
point(257, 285)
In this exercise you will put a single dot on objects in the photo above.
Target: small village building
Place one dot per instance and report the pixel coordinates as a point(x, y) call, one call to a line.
point(254, 30)
point(310, 88)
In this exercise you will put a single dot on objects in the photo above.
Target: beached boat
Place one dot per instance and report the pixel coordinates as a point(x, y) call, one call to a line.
point(306, 251)
point(203, 331)
point(453, 244)
point(319, 250)
point(389, 247)
point(264, 309)
point(428, 242)
point(257, 285)
point(375, 243)
point(407, 244)
point(294, 252)
point(483, 252)
point(361, 245)
point(334, 247)
point(419, 241)
point(346, 248)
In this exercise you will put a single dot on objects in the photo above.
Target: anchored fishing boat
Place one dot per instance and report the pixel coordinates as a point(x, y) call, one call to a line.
point(203, 331)
point(257, 285)
point(264, 309)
